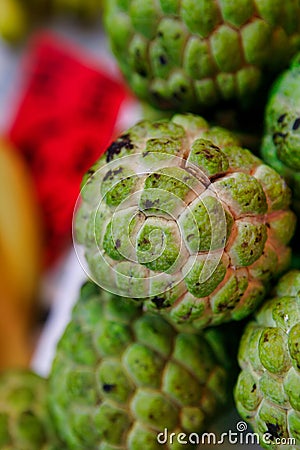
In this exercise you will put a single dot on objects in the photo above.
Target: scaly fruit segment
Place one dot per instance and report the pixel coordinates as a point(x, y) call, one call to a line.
point(25, 422)
point(190, 55)
point(267, 393)
point(178, 215)
point(120, 376)
point(281, 141)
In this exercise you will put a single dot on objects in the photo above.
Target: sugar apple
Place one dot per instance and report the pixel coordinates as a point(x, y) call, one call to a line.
point(189, 55)
point(25, 423)
point(178, 215)
point(268, 389)
point(120, 376)
point(281, 142)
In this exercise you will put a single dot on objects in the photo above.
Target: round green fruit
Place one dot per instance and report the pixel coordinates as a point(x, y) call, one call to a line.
point(281, 142)
point(178, 215)
point(123, 379)
point(25, 422)
point(267, 393)
point(190, 55)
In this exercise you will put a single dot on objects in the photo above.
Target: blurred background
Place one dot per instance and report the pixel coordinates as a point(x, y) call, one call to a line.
point(62, 101)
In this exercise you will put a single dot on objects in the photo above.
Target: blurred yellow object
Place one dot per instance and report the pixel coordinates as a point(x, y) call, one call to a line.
point(13, 20)
point(20, 257)
point(15, 348)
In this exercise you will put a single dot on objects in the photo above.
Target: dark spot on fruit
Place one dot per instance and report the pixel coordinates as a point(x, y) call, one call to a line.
point(108, 387)
point(144, 242)
point(281, 118)
point(163, 60)
point(268, 225)
point(157, 176)
point(274, 429)
point(142, 72)
point(160, 34)
point(116, 147)
point(296, 124)
point(176, 96)
point(156, 95)
point(205, 152)
point(278, 136)
point(258, 238)
point(118, 243)
point(251, 252)
point(90, 172)
point(183, 89)
point(107, 175)
point(266, 338)
point(159, 302)
point(186, 316)
point(111, 173)
point(150, 204)
point(223, 307)
point(244, 244)
point(253, 388)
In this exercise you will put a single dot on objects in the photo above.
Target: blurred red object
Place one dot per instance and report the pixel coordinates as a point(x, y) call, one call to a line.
point(65, 121)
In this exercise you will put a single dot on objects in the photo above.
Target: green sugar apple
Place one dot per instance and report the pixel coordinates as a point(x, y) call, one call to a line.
point(267, 393)
point(190, 55)
point(281, 142)
point(120, 377)
point(25, 422)
point(178, 215)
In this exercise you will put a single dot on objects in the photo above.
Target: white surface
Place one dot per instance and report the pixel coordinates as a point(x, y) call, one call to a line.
point(63, 286)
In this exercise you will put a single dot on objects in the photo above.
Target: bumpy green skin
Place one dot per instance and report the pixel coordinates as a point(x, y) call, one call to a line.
point(25, 422)
point(281, 142)
point(189, 55)
point(120, 376)
point(179, 215)
point(267, 393)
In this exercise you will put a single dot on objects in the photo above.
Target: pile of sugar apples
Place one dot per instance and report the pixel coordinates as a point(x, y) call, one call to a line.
point(189, 243)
